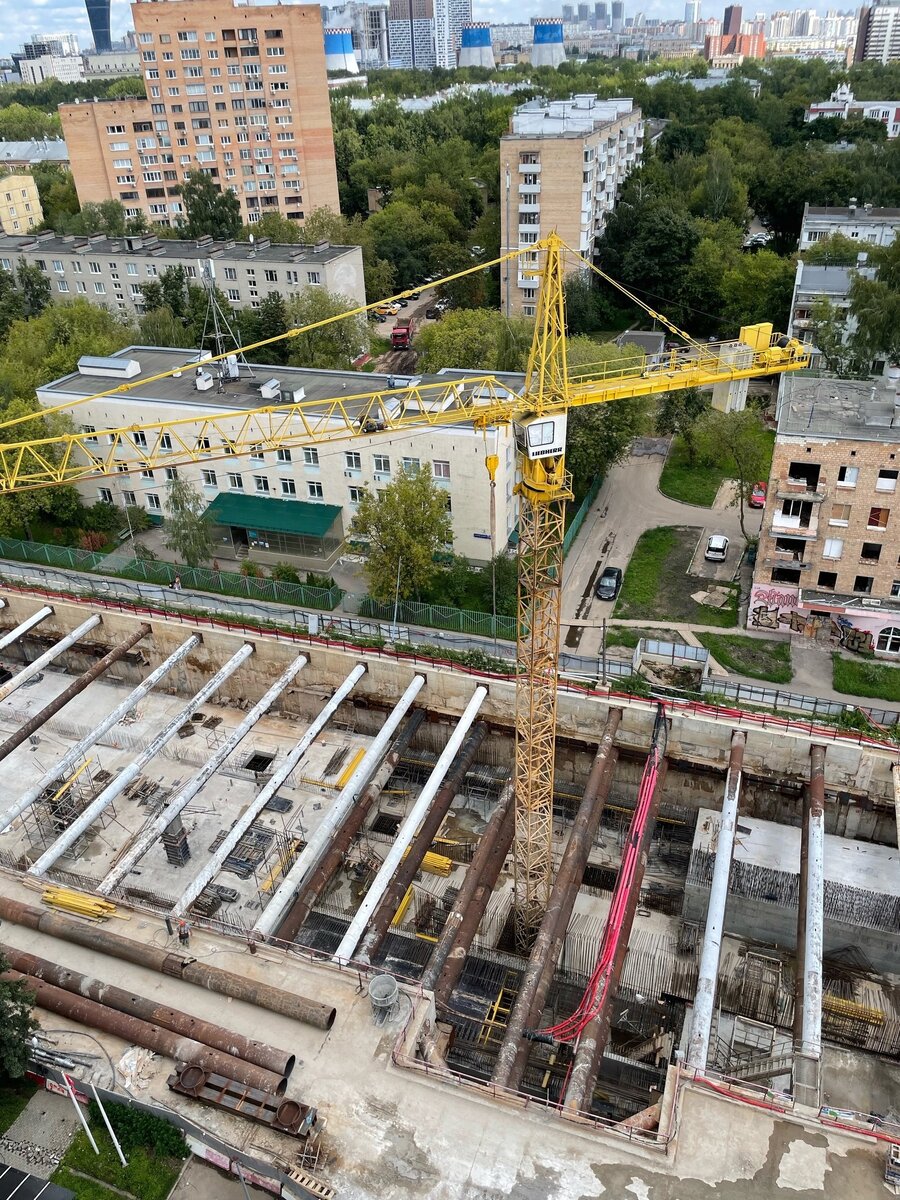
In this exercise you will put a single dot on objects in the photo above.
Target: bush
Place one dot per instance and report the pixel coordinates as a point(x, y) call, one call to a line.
point(135, 1128)
point(325, 582)
point(108, 518)
point(138, 518)
point(284, 573)
point(92, 541)
point(251, 570)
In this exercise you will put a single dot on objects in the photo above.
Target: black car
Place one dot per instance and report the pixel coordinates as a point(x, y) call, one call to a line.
point(434, 313)
point(607, 587)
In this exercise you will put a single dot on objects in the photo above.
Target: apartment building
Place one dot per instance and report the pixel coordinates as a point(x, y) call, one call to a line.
point(237, 91)
point(878, 34)
point(562, 166)
point(828, 561)
point(283, 503)
point(862, 222)
point(813, 283)
point(844, 104)
point(111, 271)
point(20, 204)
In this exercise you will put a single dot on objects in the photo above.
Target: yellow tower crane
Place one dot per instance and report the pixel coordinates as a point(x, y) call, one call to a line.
point(538, 415)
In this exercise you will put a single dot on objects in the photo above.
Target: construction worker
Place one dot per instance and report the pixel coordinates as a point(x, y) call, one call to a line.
point(184, 932)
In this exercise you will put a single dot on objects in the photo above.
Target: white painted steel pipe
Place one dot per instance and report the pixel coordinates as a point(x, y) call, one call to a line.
point(309, 857)
point(407, 830)
point(161, 823)
point(29, 623)
point(133, 770)
point(811, 1044)
point(240, 827)
point(48, 656)
point(705, 997)
point(74, 756)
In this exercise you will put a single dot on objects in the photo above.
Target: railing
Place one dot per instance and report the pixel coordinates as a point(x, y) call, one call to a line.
point(437, 616)
point(749, 693)
point(583, 510)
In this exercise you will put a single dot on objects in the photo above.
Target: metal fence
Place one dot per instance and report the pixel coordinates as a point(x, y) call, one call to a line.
point(748, 693)
point(457, 620)
point(583, 509)
point(674, 651)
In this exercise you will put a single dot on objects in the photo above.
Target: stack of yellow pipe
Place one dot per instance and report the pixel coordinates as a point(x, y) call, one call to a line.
point(76, 902)
point(435, 864)
point(851, 1010)
point(404, 905)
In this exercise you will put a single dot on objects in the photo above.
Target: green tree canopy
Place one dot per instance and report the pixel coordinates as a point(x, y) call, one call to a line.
point(185, 530)
point(476, 339)
point(332, 347)
point(737, 441)
point(17, 1024)
point(209, 210)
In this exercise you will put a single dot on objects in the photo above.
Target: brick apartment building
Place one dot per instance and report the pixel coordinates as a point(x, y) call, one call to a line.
point(237, 91)
point(828, 561)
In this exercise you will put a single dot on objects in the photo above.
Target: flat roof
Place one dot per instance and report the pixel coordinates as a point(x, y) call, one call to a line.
point(814, 406)
point(859, 213)
point(272, 515)
point(151, 247)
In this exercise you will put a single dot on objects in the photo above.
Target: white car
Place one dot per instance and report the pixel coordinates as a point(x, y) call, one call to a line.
point(716, 548)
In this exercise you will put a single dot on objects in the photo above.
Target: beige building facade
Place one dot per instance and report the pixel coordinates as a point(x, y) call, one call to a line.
point(20, 204)
point(562, 166)
point(237, 91)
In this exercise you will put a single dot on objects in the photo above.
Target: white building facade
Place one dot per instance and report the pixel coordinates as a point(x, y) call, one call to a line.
point(862, 222)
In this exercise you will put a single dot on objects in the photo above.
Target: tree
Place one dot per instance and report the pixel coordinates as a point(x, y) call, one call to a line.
point(185, 530)
point(758, 287)
point(160, 327)
point(837, 344)
point(274, 226)
point(208, 210)
point(17, 1024)
point(738, 442)
point(875, 303)
point(271, 321)
point(678, 413)
point(333, 346)
point(475, 339)
point(835, 250)
point(403, 526)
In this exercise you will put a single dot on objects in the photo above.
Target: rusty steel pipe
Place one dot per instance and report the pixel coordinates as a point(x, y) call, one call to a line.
point(419, 846)
point(279, 1062)
point(309, 893)
point(512, 1058)
point(142, 1033)
point(214, 979)
point(449, 955)
point(592, 1043)
point(24, 732)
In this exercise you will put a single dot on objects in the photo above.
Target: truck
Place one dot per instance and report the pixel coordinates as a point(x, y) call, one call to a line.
point(402, 334)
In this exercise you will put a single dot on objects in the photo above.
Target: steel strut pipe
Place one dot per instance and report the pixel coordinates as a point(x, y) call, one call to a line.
point(449, 955)
point(75, 688)
point(84, 821)
point(179, 966)
point(309, 893)
point(47, 657)
point(279, 1062)
point(419, 846)
point(213, 865)
point(800, 958)
point(811, 1043)
point(142, 1033)
point(512, 1057)
point(77, 752)
point(161, 823)
point(592, 1043)
point(705, 997)
point(319, 841)
point(405, 833)
point(29, 623)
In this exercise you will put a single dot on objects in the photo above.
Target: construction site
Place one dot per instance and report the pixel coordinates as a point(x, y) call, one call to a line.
point(479, 932)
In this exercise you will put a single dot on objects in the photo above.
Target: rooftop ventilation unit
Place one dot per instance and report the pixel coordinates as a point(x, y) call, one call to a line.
point(271, 390)
point(108, 368)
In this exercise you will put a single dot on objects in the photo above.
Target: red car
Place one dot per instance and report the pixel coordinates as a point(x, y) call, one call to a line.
point(758, 495)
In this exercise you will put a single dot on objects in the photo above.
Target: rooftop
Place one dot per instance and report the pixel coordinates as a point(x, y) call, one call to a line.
point(814, 406)
point(151, 246)
point(38, 150)
point(577, 116)
point(859, 212)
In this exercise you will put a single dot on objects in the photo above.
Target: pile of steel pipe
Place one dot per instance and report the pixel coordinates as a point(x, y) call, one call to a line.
point(214, 979)
point(419, 846)
point(309, 893)
point(512, 1058)
point(279, 1062)
point(75, 688)
point(141, 1033)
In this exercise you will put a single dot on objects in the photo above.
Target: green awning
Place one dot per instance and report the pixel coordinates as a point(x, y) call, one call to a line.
point(276, 516)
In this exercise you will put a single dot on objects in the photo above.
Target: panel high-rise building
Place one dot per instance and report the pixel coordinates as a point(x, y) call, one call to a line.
point(733, 17)
point(98, 15)
point(584, 12)
point(601, 15)
point(568, 12)
point(618, 16)
point(236, 91)
point(692, 13)
point(878, 35)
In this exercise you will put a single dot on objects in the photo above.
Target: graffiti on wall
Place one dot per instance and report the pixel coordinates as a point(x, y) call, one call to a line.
point(776, 609)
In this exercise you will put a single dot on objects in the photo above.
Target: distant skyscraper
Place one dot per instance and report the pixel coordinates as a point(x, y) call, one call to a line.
point(98, 15)
point(584, 12)
point(618, 16)
point(568, 12)
point(692, 12)
point(601, 14)
point(732, 22)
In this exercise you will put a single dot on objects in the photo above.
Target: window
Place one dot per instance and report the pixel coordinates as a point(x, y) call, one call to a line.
point(209, 478)
point(895, 588)
point(171, 473)
point(804, 472)
point(382, 464)
point(283, 455)
point(129, 498)
point(889, 639)
point(871, 551)
point(104, 495)
point(840, 514)
point(795, 514)
point(353, 460)
point(153, 502)
point(261, 483)
point(827, 579)
point(411, 464)
point(165, 441)
point(139, 438)
point(271, 276)
point(80, 286)
point(834, 548)
point(311, 456)
point(441, 469)
point(356, 494)
point(886, 482)
point(256, 454)
point(315, 491)
point(62, 285)
point(785, 575)
point(288, 487)
point(878, 518)
point(233, 295)
point(235, 482)
point(146, 473)
point(847, 476)
point(863, 583)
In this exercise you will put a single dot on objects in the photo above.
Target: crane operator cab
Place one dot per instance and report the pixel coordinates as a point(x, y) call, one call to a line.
point(541, 443)
point(541, 436)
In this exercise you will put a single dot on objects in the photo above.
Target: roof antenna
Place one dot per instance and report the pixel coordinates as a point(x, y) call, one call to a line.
point(221, 333)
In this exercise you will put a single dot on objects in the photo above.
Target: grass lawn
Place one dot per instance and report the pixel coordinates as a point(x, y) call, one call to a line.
point(657, 586)
point(759, 658)
point(84, 1189)
point(621, 635)
point(14, 1095)
point(698, 484)
point(865, 677)
point(148, 1176)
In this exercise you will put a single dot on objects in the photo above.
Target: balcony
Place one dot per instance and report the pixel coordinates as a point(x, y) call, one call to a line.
point(530, 229)
point(528, 207)
point(529, 168)
point(790, 526)
point(800, 489)
point(529, 189)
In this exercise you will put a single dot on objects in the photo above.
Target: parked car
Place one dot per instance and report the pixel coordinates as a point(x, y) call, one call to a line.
point(716, 547)
point(387, 310)
point(758, 495)
point(415, 294)
point(402, 302)
point(434, 313)
point(607, 586)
